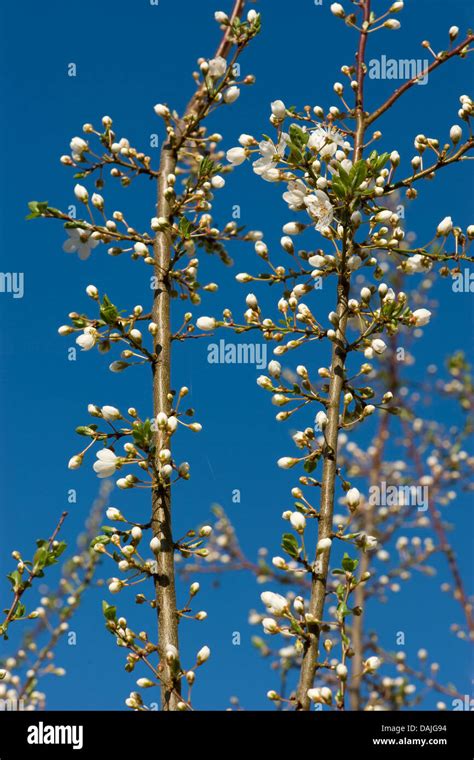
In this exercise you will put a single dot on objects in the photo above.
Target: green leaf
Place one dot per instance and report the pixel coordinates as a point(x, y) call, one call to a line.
point(357, 174)
point(87, 430)
point(349, 564)
point(290, 545)
point(339, 188)
point(143, 435)
point(108, 311)
point(40, 558)
point(109, 611)
point(16, 580)
point(102, 539)
point(298, 137)
point(37, 209)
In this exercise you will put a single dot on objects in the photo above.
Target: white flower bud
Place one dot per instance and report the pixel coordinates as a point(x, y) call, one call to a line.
point(270, 625)
point(444, 227)
point(92, 292)
point(298, 521)
point(321, 420)
point(231, 94)
point(371, 664)
point(206, 323)
point(323, 545)
point(221, 17)
point(455, 133)
point(378, 346)
point(97, 201)
point(341, 671)
point(144, 683)
point(161, 110)
point(287, 244)
point(274, 368)
point(114, 514)
point(236, 156)
point(110, 413)
point(293, 228)
point(81, 193)
point(217, 181)
point(278, 109)
point(337, 10)
point(275, 603)
point(203, 655)
point(353, 498)
point(286, 462)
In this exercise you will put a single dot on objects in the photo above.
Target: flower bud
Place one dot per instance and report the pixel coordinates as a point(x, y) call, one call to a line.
point(298, 521)
point(203, 655)
point(81, 193)
point(444, 227)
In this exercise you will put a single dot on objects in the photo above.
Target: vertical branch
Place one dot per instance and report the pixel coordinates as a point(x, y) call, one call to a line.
point(319, 578)
point(161, 523)
point(339, 353)
point(361, 71)
point(165, 589)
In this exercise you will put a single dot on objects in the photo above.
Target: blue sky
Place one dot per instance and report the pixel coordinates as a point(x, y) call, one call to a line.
point(130, 56)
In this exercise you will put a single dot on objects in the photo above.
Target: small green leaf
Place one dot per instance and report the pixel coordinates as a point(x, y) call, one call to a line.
point(108, 311)
point(109, 612)
point(290, 545)
point(349, 564)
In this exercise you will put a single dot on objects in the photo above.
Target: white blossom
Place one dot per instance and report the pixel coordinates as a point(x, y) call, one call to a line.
point(271, 154)
point(88, 339)
point(236, 156)
point(421, 317)
point(217, 67)
point(319, 207)
point(80, 242)
point(326, 141)
point(106, 463)
point(414, 264)
point(295, 195)
point(275, 603)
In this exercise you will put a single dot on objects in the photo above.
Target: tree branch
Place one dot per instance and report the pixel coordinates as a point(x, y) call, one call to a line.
point(407, 85)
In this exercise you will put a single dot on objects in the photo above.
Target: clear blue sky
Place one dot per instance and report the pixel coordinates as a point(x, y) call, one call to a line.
point(130, 56)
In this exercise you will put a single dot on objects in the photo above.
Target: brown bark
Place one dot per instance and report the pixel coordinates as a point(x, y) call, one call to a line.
point(319, 580)
point(161, 523)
